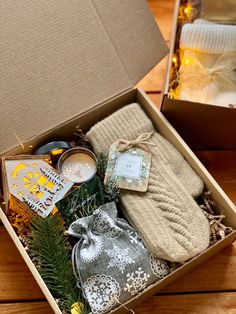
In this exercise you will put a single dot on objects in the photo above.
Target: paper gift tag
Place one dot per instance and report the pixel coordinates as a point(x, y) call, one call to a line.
point(130, 169)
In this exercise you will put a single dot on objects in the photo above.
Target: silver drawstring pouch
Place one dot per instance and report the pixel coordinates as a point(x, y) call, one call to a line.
point(110, 261)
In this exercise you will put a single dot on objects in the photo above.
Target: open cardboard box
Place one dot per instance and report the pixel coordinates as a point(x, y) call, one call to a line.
point(200, 125)
point(74, 65)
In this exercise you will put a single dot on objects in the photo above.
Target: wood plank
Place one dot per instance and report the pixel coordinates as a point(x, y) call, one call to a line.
point(163, 12)
point(156, 98)
point(222, 165)
point(216, 274)
point(16, 281)
point(154, 80)
point(217, 303)
point(26, 308)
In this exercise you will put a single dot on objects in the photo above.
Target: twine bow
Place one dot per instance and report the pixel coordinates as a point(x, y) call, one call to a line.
point(193, 74)
point(123, 144)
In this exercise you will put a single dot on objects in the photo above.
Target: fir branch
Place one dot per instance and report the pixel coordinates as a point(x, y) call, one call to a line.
point(52, 252)
point(102, 159)
point(112, 191)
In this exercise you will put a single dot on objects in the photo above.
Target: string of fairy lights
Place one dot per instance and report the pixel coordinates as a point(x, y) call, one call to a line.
point(186, 14)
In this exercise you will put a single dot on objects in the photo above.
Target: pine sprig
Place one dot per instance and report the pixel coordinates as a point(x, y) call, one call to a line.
point(112, 191)
point(52, 252)
point(102, 159)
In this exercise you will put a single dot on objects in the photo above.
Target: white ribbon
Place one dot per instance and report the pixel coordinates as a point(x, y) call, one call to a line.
point(194, 77)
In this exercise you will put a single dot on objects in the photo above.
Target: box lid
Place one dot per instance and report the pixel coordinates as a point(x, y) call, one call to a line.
point(61, 58)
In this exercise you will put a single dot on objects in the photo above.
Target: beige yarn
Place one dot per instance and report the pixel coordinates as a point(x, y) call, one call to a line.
point(166, 216)
point(129, 123)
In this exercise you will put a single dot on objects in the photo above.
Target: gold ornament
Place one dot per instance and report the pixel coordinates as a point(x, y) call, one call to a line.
point(77, 308)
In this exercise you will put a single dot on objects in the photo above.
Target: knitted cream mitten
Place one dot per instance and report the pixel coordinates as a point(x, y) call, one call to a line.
point(132, 122)
point(166, 216)
point(208, 49)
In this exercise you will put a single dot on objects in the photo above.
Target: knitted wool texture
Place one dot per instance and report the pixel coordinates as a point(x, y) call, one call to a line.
point(166, 216)
point(129, 123)
point(208, 37)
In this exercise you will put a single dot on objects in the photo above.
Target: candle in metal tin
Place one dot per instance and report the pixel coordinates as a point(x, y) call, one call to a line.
point(78, 164)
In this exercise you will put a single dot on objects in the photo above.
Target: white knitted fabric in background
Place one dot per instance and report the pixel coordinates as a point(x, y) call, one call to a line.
point(166, 216)
point(208, 37)
point(209, 41)
point(202, 21)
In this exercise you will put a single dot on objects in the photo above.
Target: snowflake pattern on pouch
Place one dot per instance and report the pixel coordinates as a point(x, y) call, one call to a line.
point(104, 225)
point(93, 249)
point(136, 281)
point(159, 267)
point(119, 258)
point(134, 238)
point(102, 293)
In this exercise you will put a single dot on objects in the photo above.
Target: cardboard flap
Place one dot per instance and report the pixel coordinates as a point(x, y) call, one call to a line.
point(134, 34)
point(61, 58)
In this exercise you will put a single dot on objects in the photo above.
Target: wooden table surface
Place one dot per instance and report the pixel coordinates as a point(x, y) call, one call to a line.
point(209, 289)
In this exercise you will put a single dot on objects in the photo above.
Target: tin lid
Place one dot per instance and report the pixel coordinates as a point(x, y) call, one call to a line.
point(62, 58)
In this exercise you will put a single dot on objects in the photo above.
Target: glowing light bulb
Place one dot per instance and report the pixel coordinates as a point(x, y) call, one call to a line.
point(187, 61)
point(174, 60)
point(187, 10)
